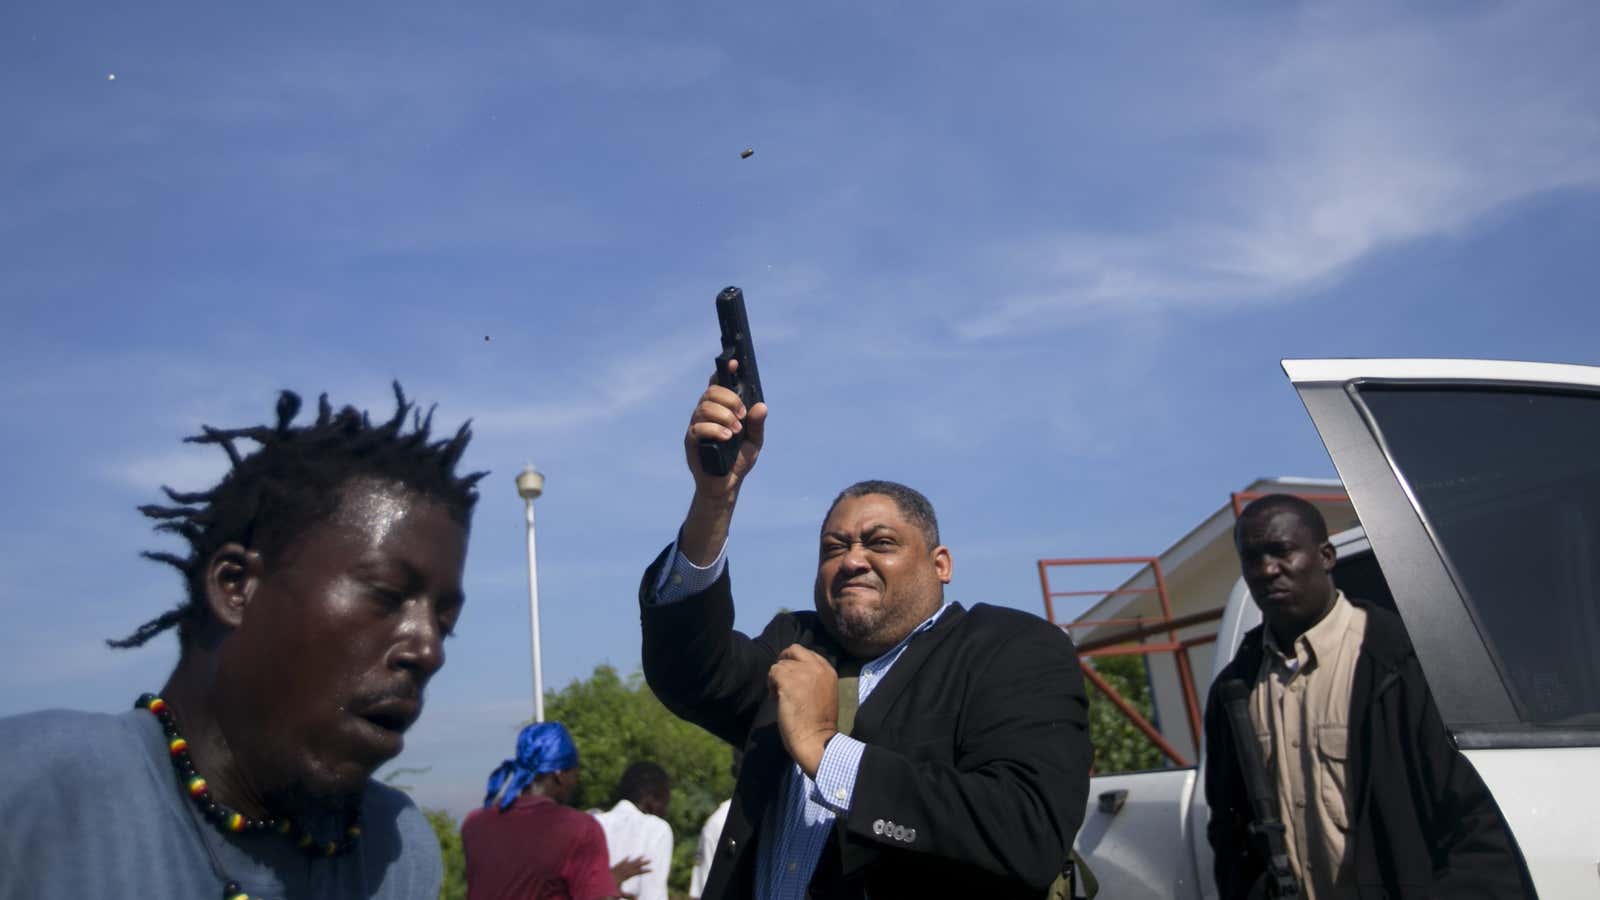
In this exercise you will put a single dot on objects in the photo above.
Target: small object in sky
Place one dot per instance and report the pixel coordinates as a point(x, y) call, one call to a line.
point(486, 338)
point(112, 77)
point(747, 152)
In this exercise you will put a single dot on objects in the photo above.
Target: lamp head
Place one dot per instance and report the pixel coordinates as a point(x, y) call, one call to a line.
point(530, 483)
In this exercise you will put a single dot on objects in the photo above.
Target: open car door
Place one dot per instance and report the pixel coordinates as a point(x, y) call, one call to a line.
point(1478, 485)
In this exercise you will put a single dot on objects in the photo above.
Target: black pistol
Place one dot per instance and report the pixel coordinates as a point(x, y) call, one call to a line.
point(716, 457)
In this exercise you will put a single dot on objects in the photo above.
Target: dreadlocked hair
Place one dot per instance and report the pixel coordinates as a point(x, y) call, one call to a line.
point(293, 480)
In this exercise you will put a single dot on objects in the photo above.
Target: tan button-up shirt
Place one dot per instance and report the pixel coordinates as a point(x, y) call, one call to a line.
point(1301, 712)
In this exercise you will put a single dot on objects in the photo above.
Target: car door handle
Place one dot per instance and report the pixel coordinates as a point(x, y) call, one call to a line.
point(1111, 801)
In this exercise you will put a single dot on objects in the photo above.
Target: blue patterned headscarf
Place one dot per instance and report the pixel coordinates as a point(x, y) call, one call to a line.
point(541, 748)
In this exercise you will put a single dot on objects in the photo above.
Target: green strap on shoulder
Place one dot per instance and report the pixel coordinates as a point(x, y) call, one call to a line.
point(849, 694)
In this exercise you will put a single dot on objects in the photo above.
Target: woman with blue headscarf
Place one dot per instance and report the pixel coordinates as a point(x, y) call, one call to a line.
point(525, 842)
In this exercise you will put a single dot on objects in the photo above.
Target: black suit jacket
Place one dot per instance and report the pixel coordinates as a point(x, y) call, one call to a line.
point(977, 748)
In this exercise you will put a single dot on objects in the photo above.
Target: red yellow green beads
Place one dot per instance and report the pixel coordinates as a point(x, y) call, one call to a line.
point(232, 821)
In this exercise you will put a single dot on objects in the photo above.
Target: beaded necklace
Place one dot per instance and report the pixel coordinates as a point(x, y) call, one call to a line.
point(230, 820)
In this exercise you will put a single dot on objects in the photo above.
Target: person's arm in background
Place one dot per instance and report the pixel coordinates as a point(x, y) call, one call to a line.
point(628, 868)
point(587, 870)
point(701, 668)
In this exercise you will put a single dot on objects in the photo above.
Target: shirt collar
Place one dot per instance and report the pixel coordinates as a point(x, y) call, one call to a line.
point(1321, 640)
point(927, 625)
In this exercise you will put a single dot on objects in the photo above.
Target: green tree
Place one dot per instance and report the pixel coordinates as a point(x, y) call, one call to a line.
point(617, 721)
point(1118, 746)
point(455, 862)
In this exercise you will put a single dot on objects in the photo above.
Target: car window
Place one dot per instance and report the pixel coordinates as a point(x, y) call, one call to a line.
point(1508, 482)
point(1359, 576)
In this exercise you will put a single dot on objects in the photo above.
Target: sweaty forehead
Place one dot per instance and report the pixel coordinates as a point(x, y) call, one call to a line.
point(374, 507)
point(374, 514)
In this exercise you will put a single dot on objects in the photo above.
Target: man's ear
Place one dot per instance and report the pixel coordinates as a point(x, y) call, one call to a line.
point(1329, 554)
point(233, 575)
point(943, 566)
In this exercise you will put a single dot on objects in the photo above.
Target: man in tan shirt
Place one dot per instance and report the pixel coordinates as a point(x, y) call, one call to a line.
point(1373, 795)
point(1300, 708)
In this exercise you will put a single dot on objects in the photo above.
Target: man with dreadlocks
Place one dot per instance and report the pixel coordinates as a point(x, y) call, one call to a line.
point(323, 575)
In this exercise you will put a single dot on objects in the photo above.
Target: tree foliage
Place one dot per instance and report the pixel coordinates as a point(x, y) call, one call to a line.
point(1118, 746)
point(445, 828)
point(617, 721)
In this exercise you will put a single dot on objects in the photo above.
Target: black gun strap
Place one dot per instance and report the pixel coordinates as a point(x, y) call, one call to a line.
point(1278, 878)
point(1260, 791)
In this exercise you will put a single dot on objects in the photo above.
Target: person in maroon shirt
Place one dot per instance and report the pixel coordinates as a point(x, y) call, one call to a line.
point(530, 845)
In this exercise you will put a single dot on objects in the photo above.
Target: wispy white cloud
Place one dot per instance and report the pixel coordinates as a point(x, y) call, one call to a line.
point(1359, 139)
point(605, 385)
point(610, 389)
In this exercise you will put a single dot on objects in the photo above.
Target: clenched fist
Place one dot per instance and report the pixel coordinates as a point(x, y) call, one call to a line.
point(807, 691)
point(718, 416)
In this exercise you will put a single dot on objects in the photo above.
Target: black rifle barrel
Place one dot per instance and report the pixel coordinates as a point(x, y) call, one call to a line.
point(1236, 700)
point(1277, 881)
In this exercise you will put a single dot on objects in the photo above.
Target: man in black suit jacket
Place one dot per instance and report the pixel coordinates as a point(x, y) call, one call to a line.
point(965, 772)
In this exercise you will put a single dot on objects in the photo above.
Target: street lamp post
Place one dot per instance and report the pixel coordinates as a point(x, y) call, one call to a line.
point(530, 484)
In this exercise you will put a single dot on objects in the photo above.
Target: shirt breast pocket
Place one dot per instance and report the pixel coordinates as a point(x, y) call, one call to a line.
point(1333, 772)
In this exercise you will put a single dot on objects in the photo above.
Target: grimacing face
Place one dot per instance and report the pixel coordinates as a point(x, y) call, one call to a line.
point(1287, 570)
point(876, 576)
point(339, 638)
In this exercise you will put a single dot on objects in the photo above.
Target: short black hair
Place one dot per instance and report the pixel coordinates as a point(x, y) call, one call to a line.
point(644, 779)
point(293, 480)
point(910, 502)
point(1271, 504)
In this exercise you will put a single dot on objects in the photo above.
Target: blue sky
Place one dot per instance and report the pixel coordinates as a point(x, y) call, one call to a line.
point(1039, 260)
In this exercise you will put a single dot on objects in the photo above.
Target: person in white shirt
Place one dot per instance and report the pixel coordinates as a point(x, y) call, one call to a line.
point(634, 827)
point(710, 833)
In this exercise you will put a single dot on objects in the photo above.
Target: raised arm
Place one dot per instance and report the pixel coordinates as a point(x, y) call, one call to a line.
point(701, 668)
point(717, 416)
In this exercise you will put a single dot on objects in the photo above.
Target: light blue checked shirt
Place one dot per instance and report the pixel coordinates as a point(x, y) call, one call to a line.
point(803, 817)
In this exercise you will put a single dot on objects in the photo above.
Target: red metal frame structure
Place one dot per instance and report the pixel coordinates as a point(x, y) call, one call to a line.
point(1125, 642)
point(1120, 642)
